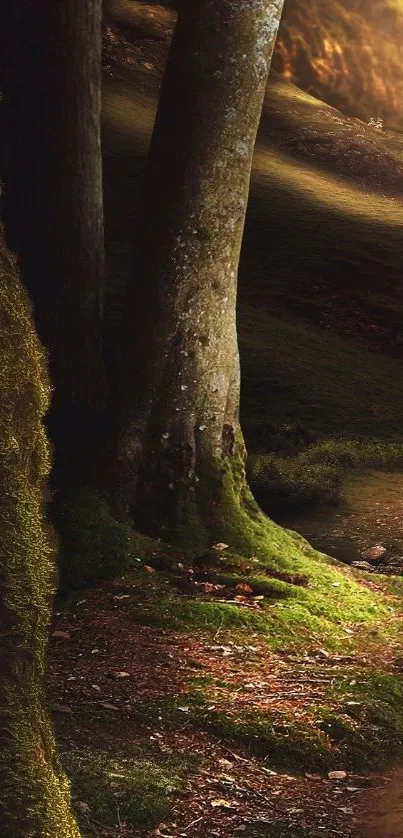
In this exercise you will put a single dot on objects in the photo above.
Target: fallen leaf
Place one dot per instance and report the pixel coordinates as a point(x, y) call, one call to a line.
point(63, 635)
point(220, 803)
point(245, 588)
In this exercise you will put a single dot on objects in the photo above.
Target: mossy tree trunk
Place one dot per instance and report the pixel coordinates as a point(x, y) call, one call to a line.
point(52, 205)
point(181, 450)
point(34, 792)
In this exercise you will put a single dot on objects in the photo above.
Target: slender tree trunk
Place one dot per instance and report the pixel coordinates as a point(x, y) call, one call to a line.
point(181, 450)
point(51, 162)
point(34, 792)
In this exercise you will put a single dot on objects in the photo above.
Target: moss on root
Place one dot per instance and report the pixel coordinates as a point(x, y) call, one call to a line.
point(34, 792)
point(94, 546)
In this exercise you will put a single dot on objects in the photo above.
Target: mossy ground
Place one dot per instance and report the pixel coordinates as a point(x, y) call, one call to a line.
point(305, 680)
point(295, 602)
point(106, 789)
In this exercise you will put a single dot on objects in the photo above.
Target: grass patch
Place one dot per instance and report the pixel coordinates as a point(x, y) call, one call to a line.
point(316, 476)
point(326, 739)
point(105, 790)
point(283, 743)
point(182, 612)
point(373, 704)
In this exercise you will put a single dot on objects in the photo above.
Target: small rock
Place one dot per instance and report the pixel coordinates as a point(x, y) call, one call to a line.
point(82, 806)
point(374, 554)
point(62, 708)
point(362, 565)
point(337, 775)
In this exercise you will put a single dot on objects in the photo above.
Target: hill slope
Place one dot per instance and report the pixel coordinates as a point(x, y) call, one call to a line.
point(321, 268)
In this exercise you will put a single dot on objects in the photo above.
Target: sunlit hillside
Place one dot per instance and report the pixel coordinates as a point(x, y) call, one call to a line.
point(347, 52)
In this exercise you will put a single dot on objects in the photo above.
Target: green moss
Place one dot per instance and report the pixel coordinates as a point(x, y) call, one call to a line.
point(181, 612)
point(107, 790)
point(284, 744)
point(319, 612)
point(354, 736)
point(94, 546)
point(34, 792)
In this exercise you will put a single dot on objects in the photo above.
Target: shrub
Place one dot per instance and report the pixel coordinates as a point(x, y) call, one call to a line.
point(315, 475)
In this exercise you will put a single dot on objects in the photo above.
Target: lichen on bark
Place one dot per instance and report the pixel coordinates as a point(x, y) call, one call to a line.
point(34, 792)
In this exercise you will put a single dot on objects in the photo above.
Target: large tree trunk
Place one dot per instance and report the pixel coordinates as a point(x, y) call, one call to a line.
point(34, 792)
point(181, 449)
point(51, 162)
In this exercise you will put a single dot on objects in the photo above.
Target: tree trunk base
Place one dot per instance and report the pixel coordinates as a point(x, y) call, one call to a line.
point(34, 791)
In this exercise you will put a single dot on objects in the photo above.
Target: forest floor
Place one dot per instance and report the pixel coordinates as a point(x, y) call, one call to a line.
point(213, 732)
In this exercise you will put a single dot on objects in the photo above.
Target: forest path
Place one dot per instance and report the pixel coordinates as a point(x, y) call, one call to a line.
point(382, 808)
point(372, 514)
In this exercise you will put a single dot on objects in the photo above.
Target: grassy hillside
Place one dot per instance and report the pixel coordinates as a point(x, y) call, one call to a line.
point(347, 54)
point(321, 296)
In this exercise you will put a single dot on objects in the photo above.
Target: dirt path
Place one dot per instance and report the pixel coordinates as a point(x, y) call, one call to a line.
point(382, 808)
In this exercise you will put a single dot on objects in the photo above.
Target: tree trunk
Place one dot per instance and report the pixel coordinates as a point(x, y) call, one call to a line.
point(52, 206)
point(34, 792)
point(181, 451)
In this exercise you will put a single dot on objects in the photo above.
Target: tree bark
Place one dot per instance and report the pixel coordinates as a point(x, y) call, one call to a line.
point(50, 159)
point(34, 792)
point(181, 452)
